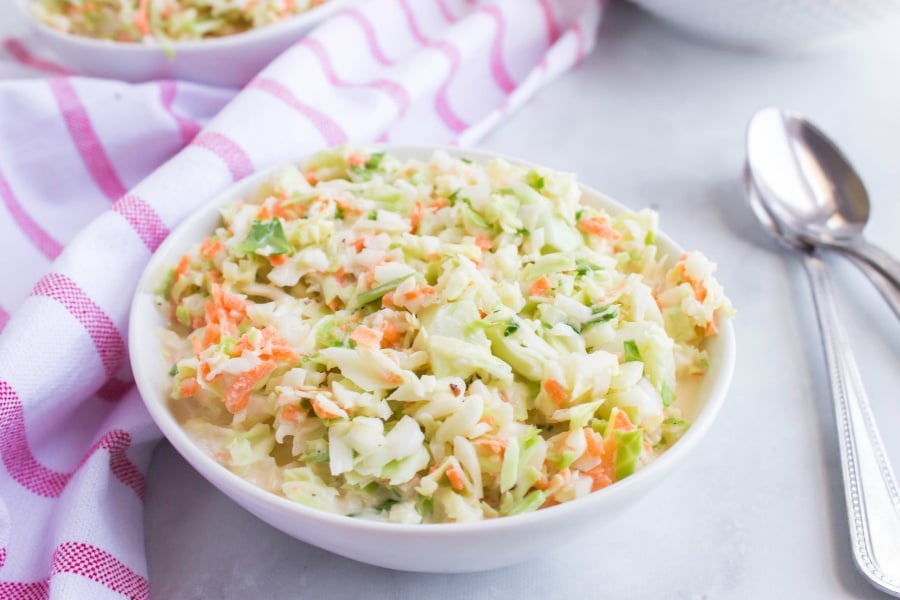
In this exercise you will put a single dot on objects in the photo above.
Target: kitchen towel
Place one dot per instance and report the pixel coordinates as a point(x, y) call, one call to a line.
point(95, 173)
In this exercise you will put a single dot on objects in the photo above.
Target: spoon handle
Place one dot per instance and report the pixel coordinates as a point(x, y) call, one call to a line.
point(888, 290)
point(870, 489)
point(878, 258)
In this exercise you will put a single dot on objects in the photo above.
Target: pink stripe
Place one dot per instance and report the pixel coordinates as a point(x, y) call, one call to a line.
point(11, 590)
point(501, 75)
point(550, 20)
point(330, 130)
point(114, 389)
point(235, 158)
point(34, 232)
point(22, 466)
point(2, 556)
point(24, 57)
point(88, 561)
point(101, 567)
point(441, 102)
point(446, 12)
point(99, 326)
point(4, 318)
point(417, 33)
point(85, 137)
point(145, 221)
point(396, 91)
point(189, 129)
point(579, 38)
point(371, 37)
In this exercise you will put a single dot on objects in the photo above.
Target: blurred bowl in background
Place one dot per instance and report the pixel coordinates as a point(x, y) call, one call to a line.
point(771, 24)
point(226, 61)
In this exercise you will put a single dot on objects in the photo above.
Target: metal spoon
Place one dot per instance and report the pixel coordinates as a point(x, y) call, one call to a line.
point(807, 183)
point(870, 489)
point(888, 290)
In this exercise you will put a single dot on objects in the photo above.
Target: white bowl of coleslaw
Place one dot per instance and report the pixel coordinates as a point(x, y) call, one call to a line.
point(230, 60)
point(492, 526)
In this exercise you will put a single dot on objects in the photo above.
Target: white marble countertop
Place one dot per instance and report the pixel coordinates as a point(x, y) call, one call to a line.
point(655, 118)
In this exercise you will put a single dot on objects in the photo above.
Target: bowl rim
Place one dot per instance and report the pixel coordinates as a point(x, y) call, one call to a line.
point(236, 40)
point(221, 477)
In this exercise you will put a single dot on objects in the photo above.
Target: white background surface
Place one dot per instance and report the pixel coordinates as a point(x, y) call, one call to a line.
point(655, 118)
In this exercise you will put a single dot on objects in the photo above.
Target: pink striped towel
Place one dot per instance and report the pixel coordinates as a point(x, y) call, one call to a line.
point(94, 174)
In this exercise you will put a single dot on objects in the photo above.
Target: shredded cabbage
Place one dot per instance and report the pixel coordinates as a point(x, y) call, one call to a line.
point(433, 341)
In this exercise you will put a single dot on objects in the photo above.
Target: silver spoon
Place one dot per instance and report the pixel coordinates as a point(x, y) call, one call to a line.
point(811, 188)
point(870, 489)
point(888, 290)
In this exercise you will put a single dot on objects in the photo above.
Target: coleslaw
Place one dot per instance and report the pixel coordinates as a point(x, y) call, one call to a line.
point(438, 341)
point(165, 20)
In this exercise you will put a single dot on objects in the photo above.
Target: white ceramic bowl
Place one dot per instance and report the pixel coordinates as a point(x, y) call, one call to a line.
point(450, 547)
point(227, 61)
point(771, 24)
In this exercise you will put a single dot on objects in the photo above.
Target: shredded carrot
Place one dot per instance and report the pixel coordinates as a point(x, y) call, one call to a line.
point(278, 259)
point(182, 268)
point(204, 371)
point(494, 444)
point(348, 207)
point(594, 442)
point(211, 335)
point(359, 244)
point(188, 388)
point(209, 248)
point(238, 393)
point(438, 204)
point(387, 299)
point(357, 160)
point(210, 311)
point(290, 413)
point(622, 422)
point(287, 8)
point(263, 213)
point(311, 177)
point(390, 335)
point(276, 347)
point(393, 378)
point(711, 327)
point(321, 411)
point(540, 287)
point(456, 478)
point(142, 20)
point(484, 242)
point(425, 290)
point(556, 391)
point(602, 475)
point(230, 302)
point(415, 217)
point(600, 227)
point(696, 285)
point(366, 337)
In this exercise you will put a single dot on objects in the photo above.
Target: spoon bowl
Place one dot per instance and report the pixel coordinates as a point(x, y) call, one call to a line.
point(812, 191)
point(820, 193)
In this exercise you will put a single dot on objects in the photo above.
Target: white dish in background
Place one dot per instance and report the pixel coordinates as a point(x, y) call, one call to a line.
point(226, 61)
point(454, 547)
point(771, 24)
